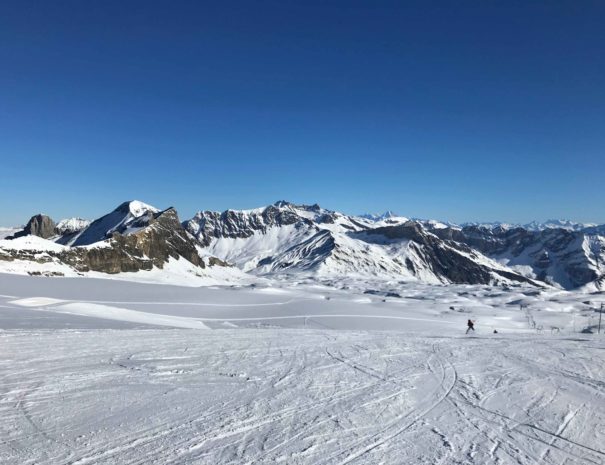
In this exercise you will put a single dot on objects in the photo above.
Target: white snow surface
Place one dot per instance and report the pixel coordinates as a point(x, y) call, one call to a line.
point(138, 208)
point(181, 272)
point(31, 243)
point(247, 252)
point(4, 232)
point(72, 225)
point(297, 372)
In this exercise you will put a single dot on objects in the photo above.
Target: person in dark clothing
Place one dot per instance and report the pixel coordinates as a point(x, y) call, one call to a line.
point(471, 325)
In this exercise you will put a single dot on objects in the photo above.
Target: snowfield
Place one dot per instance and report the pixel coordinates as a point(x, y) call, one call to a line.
point(295, 396)
point(98, 371)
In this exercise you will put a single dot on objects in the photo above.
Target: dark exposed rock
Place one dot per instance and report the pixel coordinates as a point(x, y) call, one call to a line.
point(409, 230)
point(39, 225)
point(43, 226)
point(152, 244)
point(163, 238)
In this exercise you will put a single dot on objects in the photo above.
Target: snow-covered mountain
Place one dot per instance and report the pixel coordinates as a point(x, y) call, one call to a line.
point(557, 224)
point(127, 218)
point(379, 216)
point(534, 225)
point(43, 226)
point(133, 237)
point(286, 238)
point(558, 256)
point(71, 226)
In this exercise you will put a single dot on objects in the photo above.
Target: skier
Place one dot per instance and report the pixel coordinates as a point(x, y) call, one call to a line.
point(471, 325)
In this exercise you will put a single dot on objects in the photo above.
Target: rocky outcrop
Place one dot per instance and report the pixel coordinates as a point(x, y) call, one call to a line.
point(135, 238)
point(410, 230)
point(162, 238)
point(43, 226)
point(39, 225)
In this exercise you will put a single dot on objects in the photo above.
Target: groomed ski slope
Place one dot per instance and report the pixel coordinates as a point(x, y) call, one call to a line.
point(298, 397)
point(94, 372)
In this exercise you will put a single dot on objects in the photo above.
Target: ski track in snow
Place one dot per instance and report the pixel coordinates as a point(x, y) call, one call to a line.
point(288, 395)
point(295, 397)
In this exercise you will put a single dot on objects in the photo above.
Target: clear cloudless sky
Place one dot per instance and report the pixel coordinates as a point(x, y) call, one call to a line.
point(461, 111)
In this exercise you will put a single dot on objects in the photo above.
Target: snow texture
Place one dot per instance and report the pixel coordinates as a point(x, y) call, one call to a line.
point(5, 232)
point(297, 373)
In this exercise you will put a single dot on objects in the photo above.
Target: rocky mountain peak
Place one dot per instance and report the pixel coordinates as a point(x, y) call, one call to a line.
point(208, 225)
point(71, 226)
point(38, 225)
point(136, 208)
point(126, 217)
point(127, 243)
point(285, 204)
point(379, 216)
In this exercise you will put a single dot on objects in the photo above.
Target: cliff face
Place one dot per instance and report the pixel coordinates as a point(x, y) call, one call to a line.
point(39, 225)
point(153, 245)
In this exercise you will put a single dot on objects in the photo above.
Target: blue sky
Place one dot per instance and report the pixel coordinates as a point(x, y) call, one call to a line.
point(452, 110)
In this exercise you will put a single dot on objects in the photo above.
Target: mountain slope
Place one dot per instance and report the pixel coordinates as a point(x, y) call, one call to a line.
point(285, 238)
point(131, 238)
point(290, 239)
point(561, 257)
point(127, 217)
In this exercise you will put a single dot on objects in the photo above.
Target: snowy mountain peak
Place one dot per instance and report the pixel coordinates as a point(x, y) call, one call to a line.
point(379, 216)
point(71, 225)
point(562, 224)
point(136, 208)
point(284, 204)
point(126, 218)
point(533, 225)
point(286, 238)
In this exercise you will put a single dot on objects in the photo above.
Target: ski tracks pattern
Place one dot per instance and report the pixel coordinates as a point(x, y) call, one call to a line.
point(297, 397)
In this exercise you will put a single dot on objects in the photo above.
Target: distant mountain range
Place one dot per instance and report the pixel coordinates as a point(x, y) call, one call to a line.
point(288, 240)
point(532, 226)
point(537, 226)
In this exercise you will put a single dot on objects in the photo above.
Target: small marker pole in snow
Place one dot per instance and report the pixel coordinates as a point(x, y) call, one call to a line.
point(600, 315)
